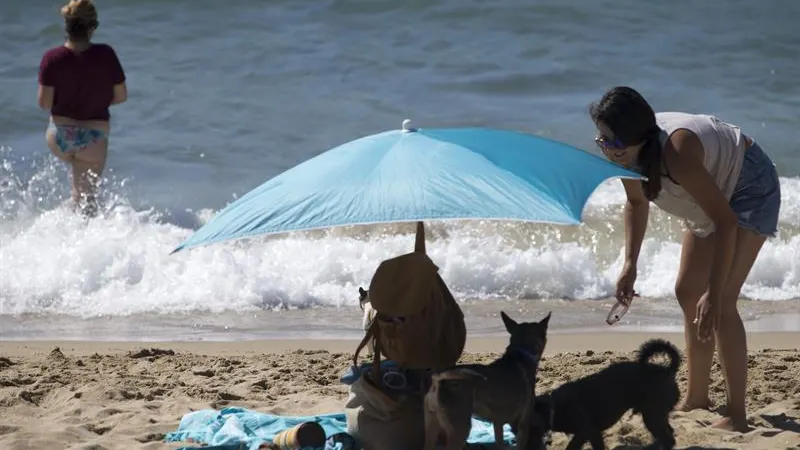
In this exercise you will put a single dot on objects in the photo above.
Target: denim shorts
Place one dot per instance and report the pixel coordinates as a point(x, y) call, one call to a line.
point(756, 200)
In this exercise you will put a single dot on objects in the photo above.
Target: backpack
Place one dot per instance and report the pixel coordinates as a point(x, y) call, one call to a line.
point(418, 324)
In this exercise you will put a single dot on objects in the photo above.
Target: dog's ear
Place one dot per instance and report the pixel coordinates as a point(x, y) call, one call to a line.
point(362, 297)
point(546, 320)
point(511, 325)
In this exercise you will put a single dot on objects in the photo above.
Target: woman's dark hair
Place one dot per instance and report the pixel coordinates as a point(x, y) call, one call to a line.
point(628, 115)
point(79, 30)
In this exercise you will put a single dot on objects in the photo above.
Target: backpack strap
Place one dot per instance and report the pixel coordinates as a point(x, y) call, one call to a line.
point(372, 333)
point(376, 357)
point(369, 335)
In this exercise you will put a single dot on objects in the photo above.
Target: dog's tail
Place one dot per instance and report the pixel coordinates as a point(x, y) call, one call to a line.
point(656, 346)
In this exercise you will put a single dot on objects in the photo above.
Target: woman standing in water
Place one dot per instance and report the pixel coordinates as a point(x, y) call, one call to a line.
point(726, 189)
point(78, 81)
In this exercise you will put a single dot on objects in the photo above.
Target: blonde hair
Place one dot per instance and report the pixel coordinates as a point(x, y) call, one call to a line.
point(80, 18)
point(82, 10)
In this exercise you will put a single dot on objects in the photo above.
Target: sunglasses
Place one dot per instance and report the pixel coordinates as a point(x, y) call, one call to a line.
point(606, 143)
point(618, 310)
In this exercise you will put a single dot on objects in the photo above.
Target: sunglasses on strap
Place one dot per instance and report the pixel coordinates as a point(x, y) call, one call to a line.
point(618, 310)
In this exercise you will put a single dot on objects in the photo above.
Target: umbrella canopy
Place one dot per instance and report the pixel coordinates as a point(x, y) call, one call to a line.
point(420, 174)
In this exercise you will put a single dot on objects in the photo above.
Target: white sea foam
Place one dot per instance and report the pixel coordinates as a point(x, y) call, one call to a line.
point(51, 261)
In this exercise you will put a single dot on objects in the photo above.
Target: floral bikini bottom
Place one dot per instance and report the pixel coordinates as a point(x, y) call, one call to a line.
point(74, 138)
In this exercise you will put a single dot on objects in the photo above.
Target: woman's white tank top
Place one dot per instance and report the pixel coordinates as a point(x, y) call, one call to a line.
point(724, 148)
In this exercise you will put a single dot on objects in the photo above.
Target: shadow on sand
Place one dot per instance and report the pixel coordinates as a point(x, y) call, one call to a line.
point(782, 422)
point(645, 447)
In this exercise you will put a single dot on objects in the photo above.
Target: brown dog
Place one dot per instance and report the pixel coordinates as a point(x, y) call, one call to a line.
point(500, 392)
point(448, 407)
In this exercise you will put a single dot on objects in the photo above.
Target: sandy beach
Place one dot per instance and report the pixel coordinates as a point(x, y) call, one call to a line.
point(116, 395)
point(109, 337)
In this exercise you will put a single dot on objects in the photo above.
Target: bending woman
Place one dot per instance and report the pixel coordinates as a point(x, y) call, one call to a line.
point(78, 81)
point(726, 189)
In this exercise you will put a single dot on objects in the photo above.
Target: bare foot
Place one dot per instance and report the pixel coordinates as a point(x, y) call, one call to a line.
point(727, 423)
point(687, 405)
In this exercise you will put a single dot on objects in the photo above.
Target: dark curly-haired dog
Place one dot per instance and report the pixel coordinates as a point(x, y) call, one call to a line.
point(588, 406)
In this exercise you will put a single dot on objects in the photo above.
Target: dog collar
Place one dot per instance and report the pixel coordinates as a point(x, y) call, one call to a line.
point(525, 352)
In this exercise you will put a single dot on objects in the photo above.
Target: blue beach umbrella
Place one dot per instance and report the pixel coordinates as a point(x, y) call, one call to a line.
point(410, 175)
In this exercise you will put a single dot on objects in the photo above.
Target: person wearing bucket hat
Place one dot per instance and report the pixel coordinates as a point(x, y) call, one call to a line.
point(420, 328)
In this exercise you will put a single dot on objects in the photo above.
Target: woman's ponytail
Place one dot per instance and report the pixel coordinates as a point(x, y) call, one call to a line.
point(649, 162)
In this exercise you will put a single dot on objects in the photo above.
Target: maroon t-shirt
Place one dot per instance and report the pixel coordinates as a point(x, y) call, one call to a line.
point(83, 82)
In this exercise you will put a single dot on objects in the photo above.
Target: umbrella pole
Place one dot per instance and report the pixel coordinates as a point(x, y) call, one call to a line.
point(419, 243)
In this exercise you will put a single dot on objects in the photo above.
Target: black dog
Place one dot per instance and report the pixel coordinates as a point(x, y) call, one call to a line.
point(588, 406)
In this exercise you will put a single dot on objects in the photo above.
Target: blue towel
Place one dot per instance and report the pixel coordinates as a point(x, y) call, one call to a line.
point(351, 375)
point(242, 429)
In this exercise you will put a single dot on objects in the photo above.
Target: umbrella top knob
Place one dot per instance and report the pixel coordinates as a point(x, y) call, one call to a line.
point(407, 126)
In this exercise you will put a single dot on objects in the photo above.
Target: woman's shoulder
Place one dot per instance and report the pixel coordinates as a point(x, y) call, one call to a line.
point(102, 48)
point(683, 117)
point(699, 124)
point(56, 52)
point(105, 51)
point(676, 116)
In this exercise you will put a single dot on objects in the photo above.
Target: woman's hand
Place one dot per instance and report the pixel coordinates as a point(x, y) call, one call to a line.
point(707, 317)
point(627, 278)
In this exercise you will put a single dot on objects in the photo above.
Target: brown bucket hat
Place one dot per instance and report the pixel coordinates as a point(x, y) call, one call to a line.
point(404, 285)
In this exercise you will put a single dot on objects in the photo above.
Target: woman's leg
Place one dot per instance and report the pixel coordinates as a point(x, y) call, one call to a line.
point(87, 167)
point(730, 336)
point(692, 283)
point(68, 157)
point(693, 277)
